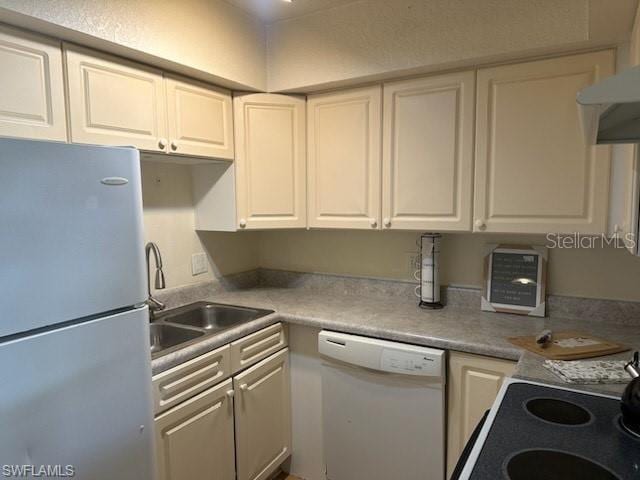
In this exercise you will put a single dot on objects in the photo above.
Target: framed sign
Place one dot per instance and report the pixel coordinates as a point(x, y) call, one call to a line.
point(515, 279)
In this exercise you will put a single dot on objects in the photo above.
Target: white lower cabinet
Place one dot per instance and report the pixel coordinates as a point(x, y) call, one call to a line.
point(473, 383)
point(263, 417)
point(242, 423)
point(195, 439)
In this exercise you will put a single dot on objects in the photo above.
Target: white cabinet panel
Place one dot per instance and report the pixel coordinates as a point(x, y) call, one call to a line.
point(271, 161)
point(344, 131)
point(200, 119)
point(263, 417)
point(31, 86)
point(472, 386)
point(195, 439)
point(534, 171)
point(257, 346)
point(428, 153)
point(115, 102)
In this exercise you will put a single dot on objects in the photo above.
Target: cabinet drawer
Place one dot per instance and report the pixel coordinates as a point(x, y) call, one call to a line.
point(253, 348)
point(187, 379)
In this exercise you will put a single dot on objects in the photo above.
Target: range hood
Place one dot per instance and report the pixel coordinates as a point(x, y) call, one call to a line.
point(611, 109)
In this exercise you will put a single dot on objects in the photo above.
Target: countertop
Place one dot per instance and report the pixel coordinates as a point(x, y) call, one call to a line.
point(452, 328)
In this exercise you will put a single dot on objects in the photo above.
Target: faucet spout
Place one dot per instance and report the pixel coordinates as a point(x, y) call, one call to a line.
point(155, 305)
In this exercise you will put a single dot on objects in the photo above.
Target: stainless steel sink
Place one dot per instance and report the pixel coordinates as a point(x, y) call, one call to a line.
point(178, 327)
point(212, 317)
point(164, 337)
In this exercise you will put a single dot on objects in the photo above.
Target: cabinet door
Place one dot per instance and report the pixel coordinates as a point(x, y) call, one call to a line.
point(472, 386)
point(115, 102)
point(195, 439)
point(263, 417)
point(32, 86)
point(270, 161)
point(428, 153)
point(200, 119)
point(344, 159)
point(535, 172)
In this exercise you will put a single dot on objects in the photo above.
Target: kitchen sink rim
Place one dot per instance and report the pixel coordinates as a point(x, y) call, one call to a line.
point(164, 319)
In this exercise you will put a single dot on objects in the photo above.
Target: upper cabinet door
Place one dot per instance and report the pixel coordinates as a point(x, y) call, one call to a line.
point(270, 161)
point(200, 119)
point(427, 163)
point(31, 87)
point(343, 131)
point(534, 171)
point(115, 102)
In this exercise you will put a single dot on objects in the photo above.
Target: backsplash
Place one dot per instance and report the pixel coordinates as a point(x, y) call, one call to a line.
point(596, 310)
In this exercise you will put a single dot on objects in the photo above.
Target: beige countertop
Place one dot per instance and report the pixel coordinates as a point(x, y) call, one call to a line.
point(400, 319)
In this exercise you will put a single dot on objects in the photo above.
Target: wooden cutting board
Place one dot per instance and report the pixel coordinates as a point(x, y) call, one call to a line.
point(570, 345)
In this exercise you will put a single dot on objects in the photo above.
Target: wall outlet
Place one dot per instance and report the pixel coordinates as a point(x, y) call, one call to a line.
point(198, 263)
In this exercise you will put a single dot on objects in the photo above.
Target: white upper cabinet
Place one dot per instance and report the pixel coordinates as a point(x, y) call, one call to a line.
point(200, 119)
point(344, 167)
point(31, 87)
point(115, 102)
point(534, 171)
point(427, 162)
point(270, 161)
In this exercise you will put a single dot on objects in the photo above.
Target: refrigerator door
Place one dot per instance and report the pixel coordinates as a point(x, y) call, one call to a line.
point(71, 241)
point(79, 397)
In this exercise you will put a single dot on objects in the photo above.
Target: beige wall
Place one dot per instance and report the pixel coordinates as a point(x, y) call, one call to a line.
point(169, 221)
point(210, 36)
point(372, 38)
point(599, 273)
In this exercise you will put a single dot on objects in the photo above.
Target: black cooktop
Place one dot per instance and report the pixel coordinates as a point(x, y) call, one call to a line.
point(553, 434)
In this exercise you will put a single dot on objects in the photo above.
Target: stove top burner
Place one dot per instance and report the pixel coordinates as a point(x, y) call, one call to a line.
point(554, 465)
point(558, 411)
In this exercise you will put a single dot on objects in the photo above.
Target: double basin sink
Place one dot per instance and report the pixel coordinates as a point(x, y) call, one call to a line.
point(185, 325)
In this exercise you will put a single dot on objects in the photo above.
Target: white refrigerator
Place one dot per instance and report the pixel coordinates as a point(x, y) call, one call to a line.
point(75, 366)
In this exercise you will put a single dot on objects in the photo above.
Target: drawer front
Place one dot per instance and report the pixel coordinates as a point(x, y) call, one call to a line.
point(189, 378)
point(251, 349)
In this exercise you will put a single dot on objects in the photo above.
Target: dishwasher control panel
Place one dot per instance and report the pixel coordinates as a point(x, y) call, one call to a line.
point(406, 362)
point(382, 355)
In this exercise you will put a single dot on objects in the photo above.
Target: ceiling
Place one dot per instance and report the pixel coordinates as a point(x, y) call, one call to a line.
point(270, 11)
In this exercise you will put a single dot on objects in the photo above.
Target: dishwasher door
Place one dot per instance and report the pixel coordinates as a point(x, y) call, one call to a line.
point(383, 409)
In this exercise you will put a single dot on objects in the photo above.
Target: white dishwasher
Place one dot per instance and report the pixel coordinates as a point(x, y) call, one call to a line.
point(383, 409)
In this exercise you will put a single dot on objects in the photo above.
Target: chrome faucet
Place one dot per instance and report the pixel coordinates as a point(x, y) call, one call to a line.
point(155, 305)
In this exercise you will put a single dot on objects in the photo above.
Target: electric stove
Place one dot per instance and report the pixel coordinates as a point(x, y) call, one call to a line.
point(540, 432)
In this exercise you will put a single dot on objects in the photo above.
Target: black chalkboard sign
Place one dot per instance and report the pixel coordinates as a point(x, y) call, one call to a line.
point(514, 279)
